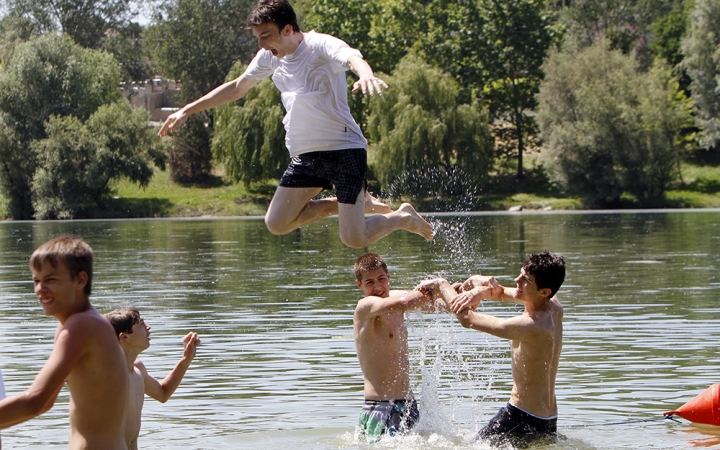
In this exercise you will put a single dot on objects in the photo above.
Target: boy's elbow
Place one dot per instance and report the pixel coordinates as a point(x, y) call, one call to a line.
point(37, 404)
point(464, 318)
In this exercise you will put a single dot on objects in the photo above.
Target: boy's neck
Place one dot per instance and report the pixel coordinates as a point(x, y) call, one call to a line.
point(130, 357)
point(82, 306)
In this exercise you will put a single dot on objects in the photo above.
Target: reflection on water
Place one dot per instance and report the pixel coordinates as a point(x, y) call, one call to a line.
point(277, 366)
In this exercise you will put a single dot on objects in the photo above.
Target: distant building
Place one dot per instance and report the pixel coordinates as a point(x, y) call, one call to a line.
point(158, 96)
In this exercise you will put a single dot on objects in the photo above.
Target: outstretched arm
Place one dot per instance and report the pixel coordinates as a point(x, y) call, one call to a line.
point(522, 327)
point(438, 288)
point(368, 83)
point(397, 301)
point(40, 397)
point(163, 390)
point(226, 93)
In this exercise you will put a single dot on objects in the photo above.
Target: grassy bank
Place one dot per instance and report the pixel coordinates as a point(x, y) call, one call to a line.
point(215, 197)
point(699, 188)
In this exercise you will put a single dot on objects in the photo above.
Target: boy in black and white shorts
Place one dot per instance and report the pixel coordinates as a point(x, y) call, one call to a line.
point(326, 144)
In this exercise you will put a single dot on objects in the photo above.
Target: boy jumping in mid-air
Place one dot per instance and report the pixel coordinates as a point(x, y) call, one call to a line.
point(134, 337)
point(326, 144)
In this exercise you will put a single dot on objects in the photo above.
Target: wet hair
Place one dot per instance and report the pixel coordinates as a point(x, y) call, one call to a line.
point(279, 12)
point(548, 270)
point(367, 263)
point(123, 319)
point(74, 253)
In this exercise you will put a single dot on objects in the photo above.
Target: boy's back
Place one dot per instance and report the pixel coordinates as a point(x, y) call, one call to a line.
point(98, 383)
point(85, 353)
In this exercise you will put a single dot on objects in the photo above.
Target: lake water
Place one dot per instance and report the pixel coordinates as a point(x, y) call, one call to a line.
point(277, 367)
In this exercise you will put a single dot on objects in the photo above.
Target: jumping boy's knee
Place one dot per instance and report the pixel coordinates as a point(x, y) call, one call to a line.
point(354, 240)
point(275, 226)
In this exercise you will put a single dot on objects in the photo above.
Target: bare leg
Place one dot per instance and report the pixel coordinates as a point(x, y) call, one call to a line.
point(292, 208)
point(375, 206)
point(356, 231)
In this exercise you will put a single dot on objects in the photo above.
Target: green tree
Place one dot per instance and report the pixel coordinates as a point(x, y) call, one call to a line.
point(701, 48)
point(125, 44)
point(383, 30)
point(610, 129)
point(85, 22)
point(623, 23)
point(197, 41)
point(518, 36)
point(454, 41)
point(191, 157)
point(48, 76)
point(14, 31)
point(495, 49)
point(249, 135)
point(668, 31)
point(420, 123)
point(77, 161)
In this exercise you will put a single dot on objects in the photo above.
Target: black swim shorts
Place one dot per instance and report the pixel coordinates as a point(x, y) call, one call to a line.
point(344, 169)
point(515, 426)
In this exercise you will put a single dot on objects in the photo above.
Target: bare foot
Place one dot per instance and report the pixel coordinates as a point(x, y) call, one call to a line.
point(415, 223)
point(375, 206)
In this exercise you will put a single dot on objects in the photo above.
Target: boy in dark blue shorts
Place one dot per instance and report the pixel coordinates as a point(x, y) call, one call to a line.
point(535, 341)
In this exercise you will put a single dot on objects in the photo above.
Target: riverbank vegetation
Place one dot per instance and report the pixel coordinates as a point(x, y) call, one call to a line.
point(493, 104)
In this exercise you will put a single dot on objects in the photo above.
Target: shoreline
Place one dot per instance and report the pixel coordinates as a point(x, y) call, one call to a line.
point(534, 212)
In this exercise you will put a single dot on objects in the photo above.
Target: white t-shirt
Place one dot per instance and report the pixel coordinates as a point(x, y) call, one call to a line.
point(2, 387)
point(314, 93)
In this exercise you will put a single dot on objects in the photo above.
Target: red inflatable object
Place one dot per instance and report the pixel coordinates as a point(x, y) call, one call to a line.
point(704, 408)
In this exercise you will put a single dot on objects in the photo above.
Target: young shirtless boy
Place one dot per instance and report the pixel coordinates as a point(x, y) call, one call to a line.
point(382, 348)
point(535, 339)
point(134, 337)
point(86, 353)
point(325, 143)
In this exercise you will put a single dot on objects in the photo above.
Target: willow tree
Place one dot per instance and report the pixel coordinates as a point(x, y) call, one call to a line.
point(420, 123)
point(249, 136)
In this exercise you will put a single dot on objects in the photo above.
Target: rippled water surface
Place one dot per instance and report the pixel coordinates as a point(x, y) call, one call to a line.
point(277, 367)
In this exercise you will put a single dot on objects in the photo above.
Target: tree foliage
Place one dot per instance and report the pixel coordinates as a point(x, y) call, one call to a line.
point(624, 24)
point(126, 45)
point(85, 22)
point(518, 36)
point(14, 31)
point(48, 79)
point(47, 76)
point(249, 135)
point(421, 123)
point(50, 76)
point(77, 161)
point(609, 128)
point(701, 47)
point(197, 41)
point(190, 157)
point(383, 30)
point(495, 49)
